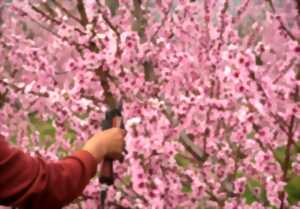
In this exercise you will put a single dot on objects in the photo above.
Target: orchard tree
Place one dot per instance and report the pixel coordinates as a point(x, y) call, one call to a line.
point(211, 93)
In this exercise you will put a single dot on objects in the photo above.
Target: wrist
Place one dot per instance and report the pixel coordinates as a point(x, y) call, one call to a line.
point(97, 148)
point(102, 147)
point(98, 155)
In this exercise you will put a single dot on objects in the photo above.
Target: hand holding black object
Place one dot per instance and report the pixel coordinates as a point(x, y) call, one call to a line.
point(113, 118)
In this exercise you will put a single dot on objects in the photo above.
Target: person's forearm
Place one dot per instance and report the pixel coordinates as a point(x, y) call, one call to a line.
point(31, 182)
point(66, 179)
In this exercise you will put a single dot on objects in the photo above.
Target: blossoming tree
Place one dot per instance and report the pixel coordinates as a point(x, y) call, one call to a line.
point(210, 89)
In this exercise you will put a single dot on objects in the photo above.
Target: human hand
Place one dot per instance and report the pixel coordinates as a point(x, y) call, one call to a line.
point(109, 143)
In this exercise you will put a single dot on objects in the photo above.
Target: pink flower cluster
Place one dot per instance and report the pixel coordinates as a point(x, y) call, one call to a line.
point(224, 73)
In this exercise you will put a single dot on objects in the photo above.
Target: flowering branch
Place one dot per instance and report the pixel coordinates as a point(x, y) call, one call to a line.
point(288, 151)
point(22, 89)
point(67, 12)
point(283, 27)
point(48, 17)
point(81, 8)
point(162, 22)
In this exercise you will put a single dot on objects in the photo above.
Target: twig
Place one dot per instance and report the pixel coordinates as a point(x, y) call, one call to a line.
point(191, 147)
point(112, 27)
point(196, 152)
point(72, 43)
point(48, 17)
point(288, 32)
point(284, 71)
point(162, 22)
point(136, 194)
point(222, 24)
point(67, 12)
point(16, 88)
point(277, 118)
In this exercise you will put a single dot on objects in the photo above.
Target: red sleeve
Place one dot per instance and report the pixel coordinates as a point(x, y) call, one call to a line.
point(29, 182)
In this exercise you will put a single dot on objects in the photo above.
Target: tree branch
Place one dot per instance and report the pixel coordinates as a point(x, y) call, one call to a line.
point(3, 98)
point(140, 23)
point(297, 2)
point(186, 141)
point(112, 27)
point(162, 22)
point(109, 98)
point(277, 118)
point(288, 32)
point(191, 147)
point(81, 9)
point(284, 71)
point(288, 150)
point(16, 88)
point(67, 12)
point(137, 195)
point(287, 158)
point(117, 206)
point(48, 17)
point(72, 43)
